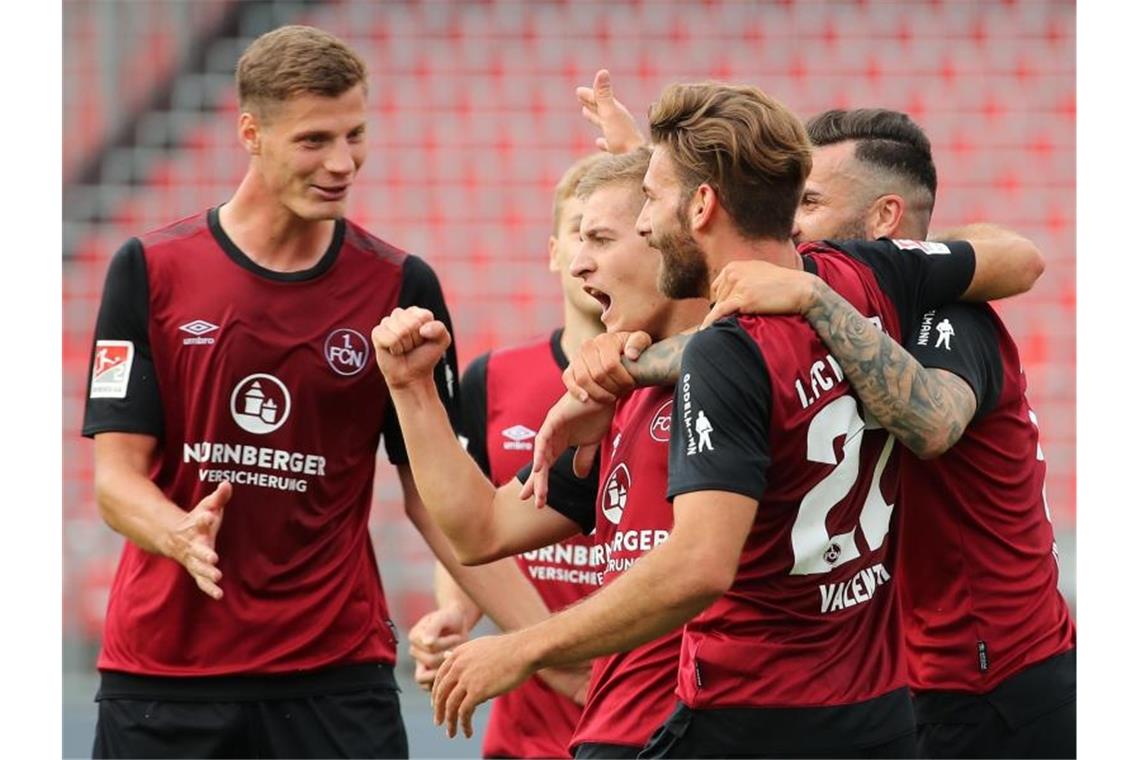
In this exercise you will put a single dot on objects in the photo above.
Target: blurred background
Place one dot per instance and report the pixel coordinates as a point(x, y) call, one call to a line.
point(474, 119)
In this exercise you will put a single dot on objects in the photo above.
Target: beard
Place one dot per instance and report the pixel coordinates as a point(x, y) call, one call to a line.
point(853, 228)
point(684, 269)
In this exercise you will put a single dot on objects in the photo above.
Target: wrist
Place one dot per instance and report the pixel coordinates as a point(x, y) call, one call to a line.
point(531, 651)
point(414, 389)
point(814, 291)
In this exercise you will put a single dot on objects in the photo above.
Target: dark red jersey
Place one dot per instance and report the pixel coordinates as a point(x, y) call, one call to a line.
point(762, 409)
point(978, 565)
point(507, 394)
point(631, 693)
point(267, 380)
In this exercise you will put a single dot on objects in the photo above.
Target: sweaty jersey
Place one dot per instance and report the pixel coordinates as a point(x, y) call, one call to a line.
point(267, 380)
point(631, 693)
point(763, 410)
point(507, 394)
point(978, 577)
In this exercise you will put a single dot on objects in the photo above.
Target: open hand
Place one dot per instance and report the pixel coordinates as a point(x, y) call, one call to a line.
point(470, 675)
point(569, 422)
point(619, 129)
point(191, 541)
point(435, 633)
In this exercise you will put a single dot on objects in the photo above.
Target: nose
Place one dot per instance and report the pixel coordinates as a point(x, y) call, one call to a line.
point(339, 159)
point(797, 231)
point(643, 227)
point(582, 263)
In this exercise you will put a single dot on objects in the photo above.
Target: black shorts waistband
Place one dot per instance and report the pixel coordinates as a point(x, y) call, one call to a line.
point(251, 688)
point(1020, 698)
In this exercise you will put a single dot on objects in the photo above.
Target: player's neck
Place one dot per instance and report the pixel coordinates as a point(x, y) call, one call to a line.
point(683, 314)
point(577, 328)
point(270, 234)
point(779, 252)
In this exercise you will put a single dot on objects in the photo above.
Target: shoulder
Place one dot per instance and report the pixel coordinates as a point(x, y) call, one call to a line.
point(360, 240)
point(181, 230)
point(529, 351)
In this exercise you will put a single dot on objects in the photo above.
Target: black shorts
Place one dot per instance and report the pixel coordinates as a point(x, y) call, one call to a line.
point(879, 727)
point(354, 717)
point(1031, 714)
point(599, 751)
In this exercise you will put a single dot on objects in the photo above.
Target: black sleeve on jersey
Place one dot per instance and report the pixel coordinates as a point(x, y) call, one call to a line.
point(724, 380)
point(420, 287)
point(914, 280)
point(974, 352)
point(473, 389)
point(123, 315)
point(570, 495)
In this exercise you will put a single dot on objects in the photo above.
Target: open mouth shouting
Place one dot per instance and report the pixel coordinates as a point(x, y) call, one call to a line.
point(601, 297)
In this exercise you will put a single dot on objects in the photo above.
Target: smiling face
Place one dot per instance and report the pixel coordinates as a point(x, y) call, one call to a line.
point(616, 264)
point(308, 150)
point(836, 200)
point(664, 224)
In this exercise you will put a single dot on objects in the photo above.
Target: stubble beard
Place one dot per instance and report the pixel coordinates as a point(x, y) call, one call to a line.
point(684, 268)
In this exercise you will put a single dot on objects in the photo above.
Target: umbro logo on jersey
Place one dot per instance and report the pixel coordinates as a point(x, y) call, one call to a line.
point(199, 330)
point(926, 246)
point(519, 438)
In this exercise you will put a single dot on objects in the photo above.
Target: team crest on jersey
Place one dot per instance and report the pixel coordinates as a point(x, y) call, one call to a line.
point(111, 372)
point(661, 422)
point(519, 438)
point(615, 493)
point(199, 331)
point(926, 246)
point(347, 351)
point(260, 404)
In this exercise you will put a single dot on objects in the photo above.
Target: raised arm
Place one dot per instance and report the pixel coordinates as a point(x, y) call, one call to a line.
point(481, 523)
point(599, 106)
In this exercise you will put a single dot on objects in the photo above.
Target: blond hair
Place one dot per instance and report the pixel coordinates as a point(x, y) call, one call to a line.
point(292, 60)
point(627, 168)
point(747, 146)
point(567, 186)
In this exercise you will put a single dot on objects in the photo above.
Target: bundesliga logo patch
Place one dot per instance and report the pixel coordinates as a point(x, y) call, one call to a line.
point(112, 369)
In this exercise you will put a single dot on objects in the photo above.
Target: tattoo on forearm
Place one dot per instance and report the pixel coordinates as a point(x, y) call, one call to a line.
point(660, 364)
point(926, 410)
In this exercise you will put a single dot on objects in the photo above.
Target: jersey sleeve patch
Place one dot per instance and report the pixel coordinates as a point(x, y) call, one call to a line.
point(111, 371)
point(926, 246)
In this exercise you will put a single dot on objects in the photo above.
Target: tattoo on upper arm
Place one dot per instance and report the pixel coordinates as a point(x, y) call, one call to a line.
point(660, 364)
point(927, 410)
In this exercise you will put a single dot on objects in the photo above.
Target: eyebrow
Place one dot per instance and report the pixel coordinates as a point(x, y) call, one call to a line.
point(596, 232)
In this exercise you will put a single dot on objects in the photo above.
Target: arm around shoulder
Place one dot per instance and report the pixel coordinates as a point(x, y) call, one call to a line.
point(1005, 262)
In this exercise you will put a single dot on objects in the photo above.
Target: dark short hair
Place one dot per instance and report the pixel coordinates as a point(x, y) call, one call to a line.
point(886, 139)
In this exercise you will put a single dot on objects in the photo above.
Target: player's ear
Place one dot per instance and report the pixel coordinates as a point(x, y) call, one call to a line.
point(886, 216)
point(552, 249)
point(249, 133)
point(701, 206)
